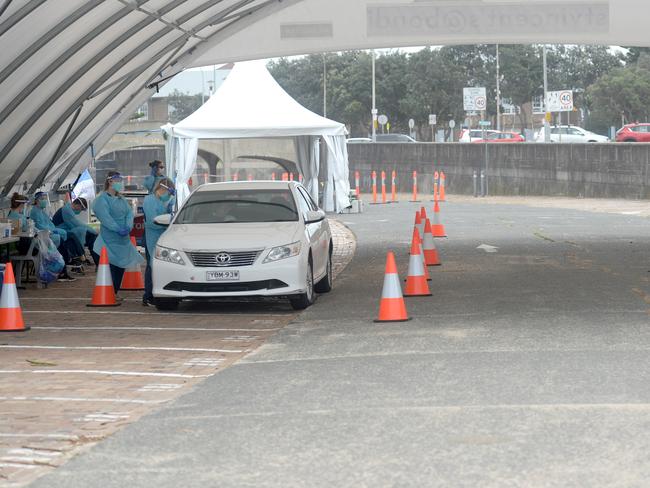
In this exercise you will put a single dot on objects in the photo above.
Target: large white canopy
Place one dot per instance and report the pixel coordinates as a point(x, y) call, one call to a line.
point(72, 71)
point(251, 104)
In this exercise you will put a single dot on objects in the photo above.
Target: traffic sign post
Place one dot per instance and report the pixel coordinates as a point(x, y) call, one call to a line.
point(433, 120)
point(452, 125)
point(474, 99)
point(383, 120)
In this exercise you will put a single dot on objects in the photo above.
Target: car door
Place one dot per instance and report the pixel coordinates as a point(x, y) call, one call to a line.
point(313, 231)
point(322, 235)
point(576, 135)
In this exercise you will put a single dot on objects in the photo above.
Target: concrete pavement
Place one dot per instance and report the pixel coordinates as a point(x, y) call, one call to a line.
point(527, 368)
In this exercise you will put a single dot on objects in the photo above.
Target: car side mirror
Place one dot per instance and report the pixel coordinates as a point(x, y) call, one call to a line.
point(314, 216)
point(165, 219)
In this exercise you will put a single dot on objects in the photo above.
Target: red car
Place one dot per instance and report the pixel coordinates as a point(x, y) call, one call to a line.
point(634, 133)
point(502, 137)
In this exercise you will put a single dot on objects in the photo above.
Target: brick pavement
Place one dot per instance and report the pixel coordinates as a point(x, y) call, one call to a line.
point(79, 374)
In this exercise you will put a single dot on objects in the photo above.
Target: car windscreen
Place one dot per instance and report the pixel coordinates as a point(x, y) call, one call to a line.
point(239, 206)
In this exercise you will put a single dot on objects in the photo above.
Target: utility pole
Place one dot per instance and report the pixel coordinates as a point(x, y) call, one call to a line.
point(547, 126)
point(375, 113)
point(324, 85)
point(498, 93)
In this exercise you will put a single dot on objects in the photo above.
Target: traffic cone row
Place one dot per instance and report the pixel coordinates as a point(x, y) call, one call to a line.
point(423, 254)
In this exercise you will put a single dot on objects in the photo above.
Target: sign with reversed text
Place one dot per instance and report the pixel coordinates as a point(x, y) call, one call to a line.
point(465, 17)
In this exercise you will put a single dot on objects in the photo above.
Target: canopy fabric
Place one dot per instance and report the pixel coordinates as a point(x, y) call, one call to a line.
point(71, 72)
point(251, 104)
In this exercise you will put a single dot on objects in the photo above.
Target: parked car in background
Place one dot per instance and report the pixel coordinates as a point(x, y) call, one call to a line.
point(471, 135)
point(502, 137)
point(634, 133)
point(358, 140)
point(394, 138)
point(570, 134)
point(244, 239)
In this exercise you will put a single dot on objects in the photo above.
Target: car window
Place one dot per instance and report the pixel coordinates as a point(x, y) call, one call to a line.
point(576, 132)
point(239, 206)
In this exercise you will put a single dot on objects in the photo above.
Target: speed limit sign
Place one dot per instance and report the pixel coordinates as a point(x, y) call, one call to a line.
point(480, 103)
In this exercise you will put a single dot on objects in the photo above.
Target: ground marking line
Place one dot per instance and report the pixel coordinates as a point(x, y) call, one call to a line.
point(121, 348)
point(18, 465)
point(449, 408)
point(100, 372)
point(156, 314)
point(61, 437)
point(173, 329)
point(437, 353)
point(74, 399)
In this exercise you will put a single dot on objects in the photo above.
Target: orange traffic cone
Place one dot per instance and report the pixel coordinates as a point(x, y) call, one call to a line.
point(104, 293)
point(423, 216)
point(418, 220)
point(438, 229)
point(11, 316)
point(443, 184)
point(416, 282)
point(431, 257)
point(133, 279)
point(418, 239)
point(392, 307)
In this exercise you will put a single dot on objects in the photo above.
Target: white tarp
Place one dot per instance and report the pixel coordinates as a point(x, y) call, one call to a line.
point(251, 104)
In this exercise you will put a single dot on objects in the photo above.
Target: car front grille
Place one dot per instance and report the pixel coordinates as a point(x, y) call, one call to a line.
point(237, 259)
point(226, 287)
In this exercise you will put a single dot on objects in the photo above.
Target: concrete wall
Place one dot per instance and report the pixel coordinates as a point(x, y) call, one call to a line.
point(577, 170)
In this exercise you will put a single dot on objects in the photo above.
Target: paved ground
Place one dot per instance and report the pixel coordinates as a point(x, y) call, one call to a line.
point(82, 374)
point(528, 367)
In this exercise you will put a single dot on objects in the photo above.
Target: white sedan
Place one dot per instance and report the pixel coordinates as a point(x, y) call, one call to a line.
point(244, 239)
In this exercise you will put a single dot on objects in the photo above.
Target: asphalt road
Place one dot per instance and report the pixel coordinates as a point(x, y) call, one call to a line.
point(528, 367)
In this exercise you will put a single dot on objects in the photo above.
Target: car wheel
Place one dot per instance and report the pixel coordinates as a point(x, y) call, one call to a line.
point(304, 300)
point(167, 304)
point(325, 285)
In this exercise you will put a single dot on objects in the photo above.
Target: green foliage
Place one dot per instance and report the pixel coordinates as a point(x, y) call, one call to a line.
point(182, 105)
point(624, 92)
point(432, 80)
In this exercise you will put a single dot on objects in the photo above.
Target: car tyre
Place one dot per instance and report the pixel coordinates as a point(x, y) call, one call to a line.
point(304, 300)
point(167, 304)
point(325, 284)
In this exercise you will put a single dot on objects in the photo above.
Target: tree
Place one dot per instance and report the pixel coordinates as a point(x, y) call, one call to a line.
point(624, 92)
point(182, 105)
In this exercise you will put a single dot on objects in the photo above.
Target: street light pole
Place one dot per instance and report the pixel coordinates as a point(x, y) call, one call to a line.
point(374, 100)
point(498, 93)
point(547, 126)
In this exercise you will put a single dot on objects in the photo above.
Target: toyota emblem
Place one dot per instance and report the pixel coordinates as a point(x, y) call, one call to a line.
point(223, 258)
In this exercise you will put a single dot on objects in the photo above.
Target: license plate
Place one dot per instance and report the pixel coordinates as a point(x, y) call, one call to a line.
point(222, 275)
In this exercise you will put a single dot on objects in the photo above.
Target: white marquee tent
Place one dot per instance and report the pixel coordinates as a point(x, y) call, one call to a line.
point(71, 72)
point(251, 104)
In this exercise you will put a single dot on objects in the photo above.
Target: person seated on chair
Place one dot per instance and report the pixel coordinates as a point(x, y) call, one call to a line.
point(66, 218)
point(17, 212)
point(67, 244)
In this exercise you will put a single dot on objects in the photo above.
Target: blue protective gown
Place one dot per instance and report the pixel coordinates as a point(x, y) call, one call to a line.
point(150, 182)
point(42, 221)
point(73, 225)
point(14, 215)
point(115, 213)
point(153, 207)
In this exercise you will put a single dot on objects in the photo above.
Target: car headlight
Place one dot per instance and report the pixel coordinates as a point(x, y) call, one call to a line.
point(283, 252)
point(169, 255)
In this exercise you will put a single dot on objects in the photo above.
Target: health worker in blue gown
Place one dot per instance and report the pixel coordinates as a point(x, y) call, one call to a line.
point(66, 218)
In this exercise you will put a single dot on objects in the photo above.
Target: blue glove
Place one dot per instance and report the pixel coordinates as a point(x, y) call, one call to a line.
point(124, 231)
point(61, 232)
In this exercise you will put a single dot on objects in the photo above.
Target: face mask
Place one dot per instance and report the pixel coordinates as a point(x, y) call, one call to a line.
point(165, 197)
point(76, 212)
point(42, 203)
point(118, 186)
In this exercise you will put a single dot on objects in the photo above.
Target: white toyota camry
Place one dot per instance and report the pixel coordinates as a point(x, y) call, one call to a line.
point(244, 239)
